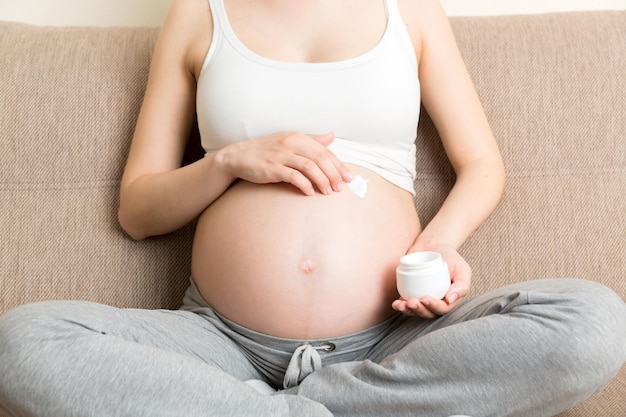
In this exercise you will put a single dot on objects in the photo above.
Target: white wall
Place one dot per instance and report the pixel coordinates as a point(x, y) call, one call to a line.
point(489, 7)
point(85, 12)
point(152, 12)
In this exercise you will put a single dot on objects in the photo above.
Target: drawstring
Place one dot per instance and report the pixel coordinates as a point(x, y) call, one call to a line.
point(304, 361)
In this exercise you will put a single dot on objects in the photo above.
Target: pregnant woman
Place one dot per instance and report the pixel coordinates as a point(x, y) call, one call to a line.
point(308, 113)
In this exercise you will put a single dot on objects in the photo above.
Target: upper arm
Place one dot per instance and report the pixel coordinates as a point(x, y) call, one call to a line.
point(168, 108)
point(448, 93)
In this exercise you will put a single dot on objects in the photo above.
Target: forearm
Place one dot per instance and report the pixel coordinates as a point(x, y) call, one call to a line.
point(156, 204)
point(475, 195)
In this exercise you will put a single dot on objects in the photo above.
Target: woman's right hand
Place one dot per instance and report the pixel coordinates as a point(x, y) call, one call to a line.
point(291, 157)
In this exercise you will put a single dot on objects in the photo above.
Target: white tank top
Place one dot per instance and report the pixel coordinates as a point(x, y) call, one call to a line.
point(371, 102)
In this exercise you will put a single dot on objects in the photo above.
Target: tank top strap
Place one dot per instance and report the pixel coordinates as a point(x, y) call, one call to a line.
point(220, 24)
point(218, 12)
point(397, 29)
point(393, 12)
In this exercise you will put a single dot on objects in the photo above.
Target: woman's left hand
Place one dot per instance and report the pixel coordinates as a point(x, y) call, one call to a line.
point(429, 307)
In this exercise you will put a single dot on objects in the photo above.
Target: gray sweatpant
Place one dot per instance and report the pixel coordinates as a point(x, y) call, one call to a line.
point(530, 349)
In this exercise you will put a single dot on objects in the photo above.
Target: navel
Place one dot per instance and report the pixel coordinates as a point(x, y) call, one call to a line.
point(306, 266)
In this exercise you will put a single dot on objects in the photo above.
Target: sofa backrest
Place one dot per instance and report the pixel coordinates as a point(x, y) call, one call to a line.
point(553, 88)
point(70, 98)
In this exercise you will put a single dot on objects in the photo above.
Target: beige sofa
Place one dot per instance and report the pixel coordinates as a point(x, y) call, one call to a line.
point(553, 86)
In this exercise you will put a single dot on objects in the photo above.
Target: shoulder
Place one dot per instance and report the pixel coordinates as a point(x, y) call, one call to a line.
point(188, 29)
point(425, 21)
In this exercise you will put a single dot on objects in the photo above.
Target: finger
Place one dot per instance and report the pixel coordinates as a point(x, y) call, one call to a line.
point(436, 307)
point(456, 292)
point(344, 172)
point(460, 288)
point(312, 171)
point(329, 165)
point(400, 306)
point(311, 158)
point(452, 298)
point(296, 178)
point(332, 167)
point(325, 139)
point(420, 309)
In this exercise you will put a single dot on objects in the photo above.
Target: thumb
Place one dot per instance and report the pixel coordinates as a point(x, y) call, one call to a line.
point(325, 139)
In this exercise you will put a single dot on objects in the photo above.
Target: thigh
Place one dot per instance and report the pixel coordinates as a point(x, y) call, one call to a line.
point(181, 332)
point(534, 348)
point(62, 359)
point(540, 297)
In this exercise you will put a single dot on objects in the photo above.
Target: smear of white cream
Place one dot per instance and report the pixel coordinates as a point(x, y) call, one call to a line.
point(358, 186)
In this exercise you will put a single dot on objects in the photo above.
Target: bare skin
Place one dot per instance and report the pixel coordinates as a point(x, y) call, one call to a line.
point(282, 247)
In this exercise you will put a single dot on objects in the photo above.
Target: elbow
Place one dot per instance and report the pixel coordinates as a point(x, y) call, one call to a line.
point(128, 225)
point(128, 216)
point(502, 177)
point(495, 174)
point(499, 181)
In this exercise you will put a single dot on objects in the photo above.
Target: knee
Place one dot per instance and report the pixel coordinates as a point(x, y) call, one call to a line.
point(23, 332)
point(595, 319)
point(16, 341)
point(14, 327)
point(17, 330)
point(26, 335)
point(601, 312)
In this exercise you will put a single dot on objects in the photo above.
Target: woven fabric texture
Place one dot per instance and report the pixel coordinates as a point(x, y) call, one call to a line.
point(552, 86)
point(70, 98)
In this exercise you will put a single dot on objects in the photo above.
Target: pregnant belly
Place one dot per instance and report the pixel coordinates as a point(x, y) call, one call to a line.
point(281, 263)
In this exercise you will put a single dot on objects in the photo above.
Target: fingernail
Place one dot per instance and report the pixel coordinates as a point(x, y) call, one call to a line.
point(453, 298)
